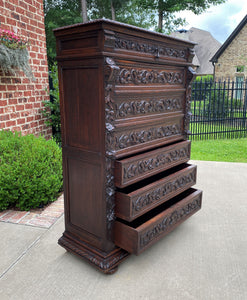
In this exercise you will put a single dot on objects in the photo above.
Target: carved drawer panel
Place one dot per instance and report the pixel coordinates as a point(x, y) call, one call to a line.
point(138, 167)
point(136, 105)
point(149, 48)
point(140, 234)
point(135, 200)
point(139, 135)
point(134, 75)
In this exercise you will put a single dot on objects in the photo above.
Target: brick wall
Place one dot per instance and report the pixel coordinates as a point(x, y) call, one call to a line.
point(20, 98)
point(234, 55)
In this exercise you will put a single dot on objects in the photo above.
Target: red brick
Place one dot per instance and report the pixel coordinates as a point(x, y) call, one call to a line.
point(37, 105)
point(27, 218)
point(12, 101)
point(12, 87)
point(9, 5)
point(34, 23)
point(8, 215)
point(19, 107)
point(11, 21)
point(2, 87)
point(2, 125)
point(33, 54)
point(3, 102)
point(27, 93)
point(30, 119)
point(16, 128)
point(36, 61)
point(25, 127)
point(18, 216)
point(20, 121)
point(28, 106)
point(11, 123)
point(14, 115)
point(24, 19)
point(22, 100)
point(23, 4)
point(15, 2)
point(4, 117)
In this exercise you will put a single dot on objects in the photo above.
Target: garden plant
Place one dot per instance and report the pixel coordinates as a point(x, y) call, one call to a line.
point(30, 171)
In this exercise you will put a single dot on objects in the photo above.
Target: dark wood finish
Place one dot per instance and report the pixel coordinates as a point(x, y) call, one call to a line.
point(137, 200)
point(138, 167)
point(124, 95)
point(137, 236)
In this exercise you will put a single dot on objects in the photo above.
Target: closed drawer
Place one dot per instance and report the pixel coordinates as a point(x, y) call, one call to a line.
point(138, 167)
point(136, 200)
point(140, 234)
point(139, 135)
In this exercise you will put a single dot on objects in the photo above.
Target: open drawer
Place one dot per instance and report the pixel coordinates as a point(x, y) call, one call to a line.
point(140, 234)
point(139, 167)
point(141, 197)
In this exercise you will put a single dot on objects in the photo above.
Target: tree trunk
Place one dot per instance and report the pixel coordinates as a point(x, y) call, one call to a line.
point(113, 13)
point(160, 27)
point(84, 10)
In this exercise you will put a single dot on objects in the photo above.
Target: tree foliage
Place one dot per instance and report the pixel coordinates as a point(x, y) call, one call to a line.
point(166, 10)
point(159, 15)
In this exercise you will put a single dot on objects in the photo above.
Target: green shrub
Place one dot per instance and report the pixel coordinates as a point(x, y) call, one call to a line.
point(30, 171)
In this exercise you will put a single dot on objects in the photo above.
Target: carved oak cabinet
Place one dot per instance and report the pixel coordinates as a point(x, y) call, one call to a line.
point(125, 97)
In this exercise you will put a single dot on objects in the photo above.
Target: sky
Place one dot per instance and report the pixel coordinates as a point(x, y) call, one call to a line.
point(219, 20)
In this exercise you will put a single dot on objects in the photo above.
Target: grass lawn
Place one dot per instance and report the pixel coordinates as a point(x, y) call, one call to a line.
point(230, 150)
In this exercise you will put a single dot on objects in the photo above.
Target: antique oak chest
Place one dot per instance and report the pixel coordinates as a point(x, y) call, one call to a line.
point(125, 98)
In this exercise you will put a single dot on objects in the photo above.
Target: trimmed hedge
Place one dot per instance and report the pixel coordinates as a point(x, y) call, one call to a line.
point(30, 171)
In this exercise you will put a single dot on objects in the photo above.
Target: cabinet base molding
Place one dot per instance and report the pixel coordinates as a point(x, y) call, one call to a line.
point(104, 262)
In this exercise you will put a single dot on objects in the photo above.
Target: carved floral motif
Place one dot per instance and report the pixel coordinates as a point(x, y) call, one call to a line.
point(153, 105)
point(140, 76)
point(169, 221)
point(142, 166)
point(156, 50)
point(110, 71)
point(163, 191)
point(117, 141)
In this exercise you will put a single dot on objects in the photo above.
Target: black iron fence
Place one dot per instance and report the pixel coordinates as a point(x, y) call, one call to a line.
point(219, 109)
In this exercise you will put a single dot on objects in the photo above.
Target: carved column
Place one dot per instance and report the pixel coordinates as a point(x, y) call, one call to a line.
point(111, 71)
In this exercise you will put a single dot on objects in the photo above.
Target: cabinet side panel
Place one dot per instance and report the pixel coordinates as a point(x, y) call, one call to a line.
point(85, 196)
point(82, 107)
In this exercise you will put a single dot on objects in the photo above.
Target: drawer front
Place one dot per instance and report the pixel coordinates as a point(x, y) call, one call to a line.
point(129, 105)
point(136, 168)
point(137, 236)
point(142, 135)
point(132, 204)
point(164, 49)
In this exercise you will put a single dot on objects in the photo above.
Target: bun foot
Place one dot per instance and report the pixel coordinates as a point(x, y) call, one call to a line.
point(112, 271)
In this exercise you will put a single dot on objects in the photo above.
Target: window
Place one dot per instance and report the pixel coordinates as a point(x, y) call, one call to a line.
point(240, 69)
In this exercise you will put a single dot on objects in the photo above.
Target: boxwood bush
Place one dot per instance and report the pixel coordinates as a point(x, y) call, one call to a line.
point(30, 171)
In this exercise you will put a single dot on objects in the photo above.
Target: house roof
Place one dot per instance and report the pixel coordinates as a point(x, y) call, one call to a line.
point(206, 46)
point(229, 40)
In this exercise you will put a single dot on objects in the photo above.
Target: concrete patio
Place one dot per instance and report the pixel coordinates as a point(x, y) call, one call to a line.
point(204, 258)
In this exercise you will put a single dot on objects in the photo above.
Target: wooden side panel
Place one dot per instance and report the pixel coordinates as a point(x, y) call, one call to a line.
point(82, 114)
point(85, 201)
